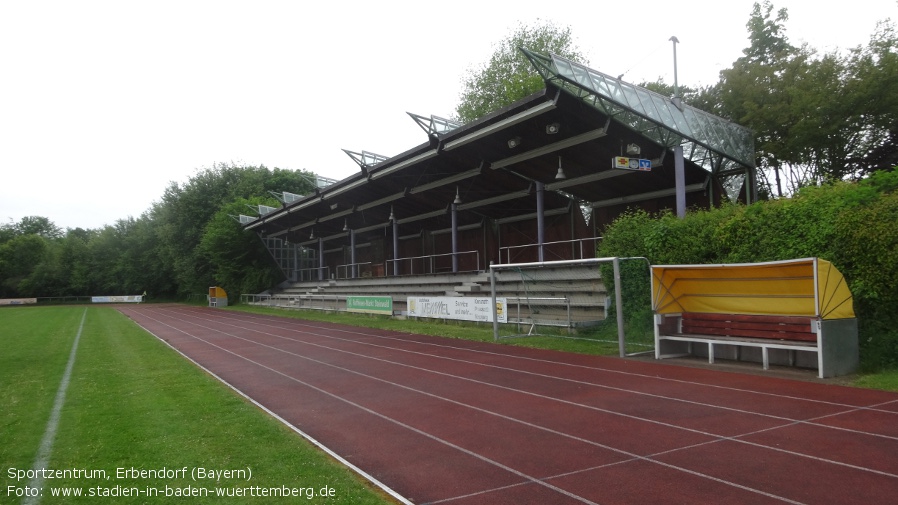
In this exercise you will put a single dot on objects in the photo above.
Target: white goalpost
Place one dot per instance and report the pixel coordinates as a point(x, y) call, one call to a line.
point(555, 293)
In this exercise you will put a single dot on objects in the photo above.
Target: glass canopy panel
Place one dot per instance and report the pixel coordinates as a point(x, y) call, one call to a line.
point(582, 77)
point(680, 120)
point(617, 94)
point(648, 105)
point(564, 68)
point(632, 99)
point(699, 132)
point(726, 139)
point(599, 84)
point(661, 105)
point(733, 185)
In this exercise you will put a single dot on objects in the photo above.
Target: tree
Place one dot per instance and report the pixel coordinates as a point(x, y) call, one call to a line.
point(181, 218)
point(754, 91)
point(816, 117)
point(18, 259)
point(237, 258)
point(509, 76)
point(30, 225)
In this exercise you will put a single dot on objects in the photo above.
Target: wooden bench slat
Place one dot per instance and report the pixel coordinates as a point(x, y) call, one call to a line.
point(753, 326)
point(731, 332)
point(795, 326)
point(742, 317)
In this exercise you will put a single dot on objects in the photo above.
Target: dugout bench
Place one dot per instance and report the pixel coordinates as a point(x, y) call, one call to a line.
point(796, 313)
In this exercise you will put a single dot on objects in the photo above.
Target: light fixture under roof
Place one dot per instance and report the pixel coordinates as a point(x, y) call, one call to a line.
point(312, 235)
point(345, 225)
point(514, 142)
point(457, 197)
point(553, 128)
point(560, 175)
point(392, 216)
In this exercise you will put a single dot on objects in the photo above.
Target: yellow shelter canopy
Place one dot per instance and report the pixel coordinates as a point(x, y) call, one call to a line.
point(804, 287)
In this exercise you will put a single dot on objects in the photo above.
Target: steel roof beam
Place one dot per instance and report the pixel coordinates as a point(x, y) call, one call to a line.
point(646, 196)
point(505, 123)
point(555, 146)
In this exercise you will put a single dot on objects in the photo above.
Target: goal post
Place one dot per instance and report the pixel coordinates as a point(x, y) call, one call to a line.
point(544, 294)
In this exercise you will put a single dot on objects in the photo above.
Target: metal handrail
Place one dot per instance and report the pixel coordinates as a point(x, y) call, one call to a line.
point(314, 271)
point(508, 249)
point(346, 269)
point(430, 257)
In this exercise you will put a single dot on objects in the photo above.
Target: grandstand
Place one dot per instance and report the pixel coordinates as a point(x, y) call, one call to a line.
point(536, 181)
point(567, 296)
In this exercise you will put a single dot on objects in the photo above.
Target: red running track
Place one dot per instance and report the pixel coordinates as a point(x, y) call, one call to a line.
point(459, 422)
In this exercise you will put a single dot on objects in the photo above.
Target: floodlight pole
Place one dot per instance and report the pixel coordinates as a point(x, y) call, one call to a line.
point(676, 83)
point(679, 163)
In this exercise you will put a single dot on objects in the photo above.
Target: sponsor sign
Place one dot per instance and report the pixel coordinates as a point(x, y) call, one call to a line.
point(116, 299)
point(624, 163)
point(18, 301)
point(370, 304)
point(464, 308)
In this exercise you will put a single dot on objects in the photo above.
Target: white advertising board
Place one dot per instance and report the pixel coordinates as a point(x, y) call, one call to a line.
point(18, 301)
point(117, 299)
point(464, 308)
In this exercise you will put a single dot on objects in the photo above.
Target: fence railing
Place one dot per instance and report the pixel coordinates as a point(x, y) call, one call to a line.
point(311, 274)
point(430, 264)
point(505, 252)
point(297, 301)
point(361, 269)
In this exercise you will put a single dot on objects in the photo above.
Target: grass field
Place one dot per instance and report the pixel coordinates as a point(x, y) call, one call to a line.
point(132, 402)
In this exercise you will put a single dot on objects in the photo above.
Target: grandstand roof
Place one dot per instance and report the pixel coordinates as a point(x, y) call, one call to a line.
point(577, 125)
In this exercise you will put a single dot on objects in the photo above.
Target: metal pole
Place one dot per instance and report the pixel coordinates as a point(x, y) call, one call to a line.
point(676, 83)
point(680, 181)
point(618, 299)
point(493, 298)
point(395, 247)
point(540, 219)
point(454, 238)
point(320, 259)
point(352, 253)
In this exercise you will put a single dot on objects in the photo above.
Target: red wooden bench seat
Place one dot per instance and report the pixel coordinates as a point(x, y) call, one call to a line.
point(792, 333)
point(742, 325)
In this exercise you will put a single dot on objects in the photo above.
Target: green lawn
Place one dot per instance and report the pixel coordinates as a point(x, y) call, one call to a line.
point(134, 403)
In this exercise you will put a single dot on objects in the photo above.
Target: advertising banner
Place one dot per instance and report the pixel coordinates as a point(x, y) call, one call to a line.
point(370, 304)
point(464, 308)
point(18, 301)
point(117, 299)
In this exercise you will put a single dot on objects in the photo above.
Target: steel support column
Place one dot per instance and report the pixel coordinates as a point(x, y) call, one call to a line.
point(540, 220)
point(454, 237)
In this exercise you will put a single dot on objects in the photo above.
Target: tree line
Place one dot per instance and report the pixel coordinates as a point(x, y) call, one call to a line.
point(184, 243)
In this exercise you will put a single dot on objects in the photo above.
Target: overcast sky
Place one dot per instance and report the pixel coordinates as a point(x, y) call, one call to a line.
point(104, 103)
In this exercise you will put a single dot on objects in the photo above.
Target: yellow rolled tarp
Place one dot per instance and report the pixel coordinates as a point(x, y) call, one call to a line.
point(804, 287)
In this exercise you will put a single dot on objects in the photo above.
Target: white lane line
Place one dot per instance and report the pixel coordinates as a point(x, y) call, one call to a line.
point(425, 434)
point(299, 322)
point(46, 447)
point(327, 450)
point(736, 438)
point(787, 420)
point(630, 455)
